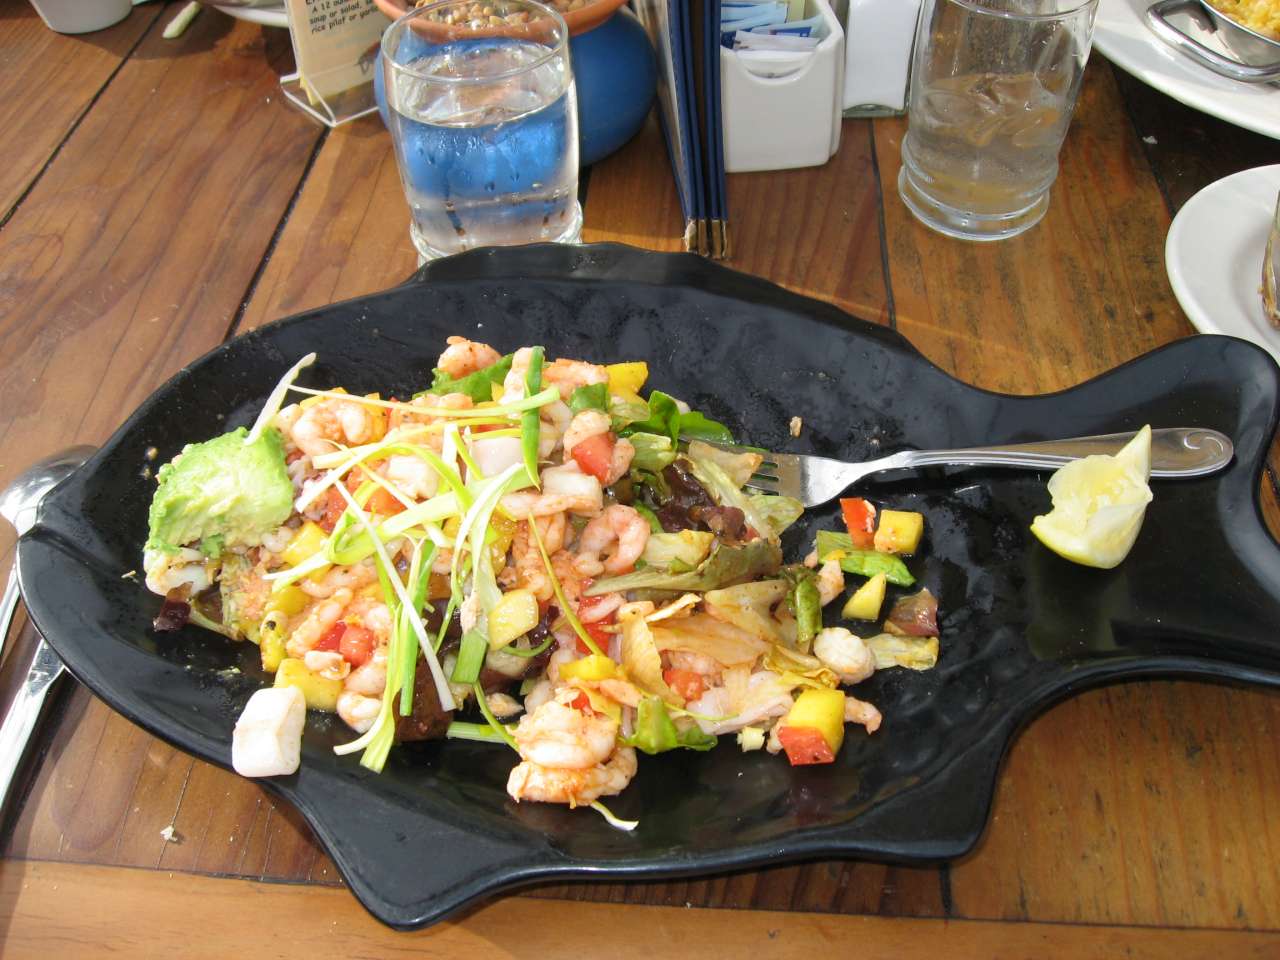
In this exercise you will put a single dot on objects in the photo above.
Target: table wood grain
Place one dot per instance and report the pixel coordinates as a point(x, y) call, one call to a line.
point(163, 197)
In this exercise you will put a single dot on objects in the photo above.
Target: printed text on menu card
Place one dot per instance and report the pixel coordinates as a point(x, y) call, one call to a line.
point(333, 40)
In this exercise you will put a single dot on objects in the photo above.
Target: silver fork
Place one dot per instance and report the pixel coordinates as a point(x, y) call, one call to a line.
point(1175, 452)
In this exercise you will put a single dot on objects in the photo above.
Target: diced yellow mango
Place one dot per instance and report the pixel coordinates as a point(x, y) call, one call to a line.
point(378, 418)
point(627, 378)
point(320, 693)
point(290, 600)
point(866, 600)
point(899, 531)
point(502, 530)
point(512, 616)
point(312, 401)
point(591, 667)
point(309, 539)
point(271, 641)
point(821, 710)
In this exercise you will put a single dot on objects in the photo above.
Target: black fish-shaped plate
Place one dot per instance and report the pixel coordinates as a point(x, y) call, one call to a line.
point(1021, 628)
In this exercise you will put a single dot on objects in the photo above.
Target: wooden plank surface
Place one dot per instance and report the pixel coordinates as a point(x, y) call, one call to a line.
point(1129, 804)
point(47, 81)
point(129, 258)
point(62, 910)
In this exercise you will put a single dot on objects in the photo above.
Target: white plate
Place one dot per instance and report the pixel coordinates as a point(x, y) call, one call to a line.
point(267, 16)
point(1121, 35)
point(1214, 256)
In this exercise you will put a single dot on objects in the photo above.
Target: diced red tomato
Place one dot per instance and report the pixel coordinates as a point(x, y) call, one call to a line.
point(332, 638)
point(353, 480)
point(598, 633)
point(596, 630)
point(859, 520)
point(595, 454)
point(334, 505)
point(383, 502)
point(805, 745)
point(582, 702)
point(356, 645)
point(486, 427)
point(688, 684)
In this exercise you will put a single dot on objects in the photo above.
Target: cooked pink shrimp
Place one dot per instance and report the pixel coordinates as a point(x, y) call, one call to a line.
point(513, 383)
point(563, 488)
point(374, 616)
point(620, 525)
point(464, 356)
point(568, 375)
point(859, 711)
point(830, 581)
point(624, 452)
point(530, 781)
point(557, 735)
point(352, 578)
point(530, 571)
point(845, 653)
point(316, 622)
point(358, 711)
point(324, 426)
point(370, 678)
point(601, 607)
point(585, 424)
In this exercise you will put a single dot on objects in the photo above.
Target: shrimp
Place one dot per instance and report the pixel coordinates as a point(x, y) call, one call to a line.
point(830, 581)
point(413, 476)
point(557, 735)
point(541, 693)
point(564, 488)
point(600, 608)
point(585, 424)
point(326, 425)
point(554, 421)
point(530, 781)
point(370, 678)
point(513, 383)
point(374, 616)
point(329, 664)
point(618, 524)
point(351, 578)
point(464, 356)
point(698, 663)
point(530, 572)
point(845, 653)
point(503, 704)
point(624, 451)
point(859, 711)
point(423, 410)
point(317, 622)
point(358, 711)
point(568, 375)
point(563, 564)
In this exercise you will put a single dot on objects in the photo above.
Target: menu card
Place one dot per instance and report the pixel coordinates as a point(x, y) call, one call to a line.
point(332, 43)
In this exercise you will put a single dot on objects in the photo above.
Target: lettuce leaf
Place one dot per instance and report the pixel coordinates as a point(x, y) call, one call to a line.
point(664, 417)
point(726, 493)
point(478, 386)
point(725, 567)
point(656, 732)
point(653, 451)
point(594, 396)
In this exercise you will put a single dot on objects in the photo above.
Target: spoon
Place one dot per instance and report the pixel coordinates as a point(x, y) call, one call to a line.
point(18, 504)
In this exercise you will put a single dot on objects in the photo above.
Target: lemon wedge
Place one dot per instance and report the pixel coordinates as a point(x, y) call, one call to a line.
point(1098, 505)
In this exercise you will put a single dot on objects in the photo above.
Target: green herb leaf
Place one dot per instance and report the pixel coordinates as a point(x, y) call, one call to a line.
point(693, 425)
point(594, 396)
point(650, 517)
point(804, 603)
point(478, 386)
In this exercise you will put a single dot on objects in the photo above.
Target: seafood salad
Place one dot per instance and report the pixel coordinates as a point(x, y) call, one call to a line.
point(532, 553)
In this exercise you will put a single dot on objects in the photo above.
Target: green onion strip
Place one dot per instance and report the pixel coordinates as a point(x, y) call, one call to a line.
point(559, 592)
point(530, 426)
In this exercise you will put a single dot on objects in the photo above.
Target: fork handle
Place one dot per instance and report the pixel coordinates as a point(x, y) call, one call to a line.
point(1175, 452)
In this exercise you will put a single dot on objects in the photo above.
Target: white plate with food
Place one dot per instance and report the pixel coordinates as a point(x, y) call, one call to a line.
point(269, 16)
point(1214, 256)
point(1123, 37)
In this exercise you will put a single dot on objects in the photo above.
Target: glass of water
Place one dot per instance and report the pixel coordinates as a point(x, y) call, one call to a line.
point(484, 117)
point(992, 89)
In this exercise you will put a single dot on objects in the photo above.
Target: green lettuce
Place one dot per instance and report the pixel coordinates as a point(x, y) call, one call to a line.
point(725, 567)
point(478, 386)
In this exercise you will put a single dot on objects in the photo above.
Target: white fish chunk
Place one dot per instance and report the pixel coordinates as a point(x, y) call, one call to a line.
point(267, 741)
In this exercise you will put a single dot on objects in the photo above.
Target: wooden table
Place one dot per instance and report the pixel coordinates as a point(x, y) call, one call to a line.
point(158, 197)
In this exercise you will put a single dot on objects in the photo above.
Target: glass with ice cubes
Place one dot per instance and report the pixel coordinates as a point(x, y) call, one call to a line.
point(993, 85)
point(483, 115)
